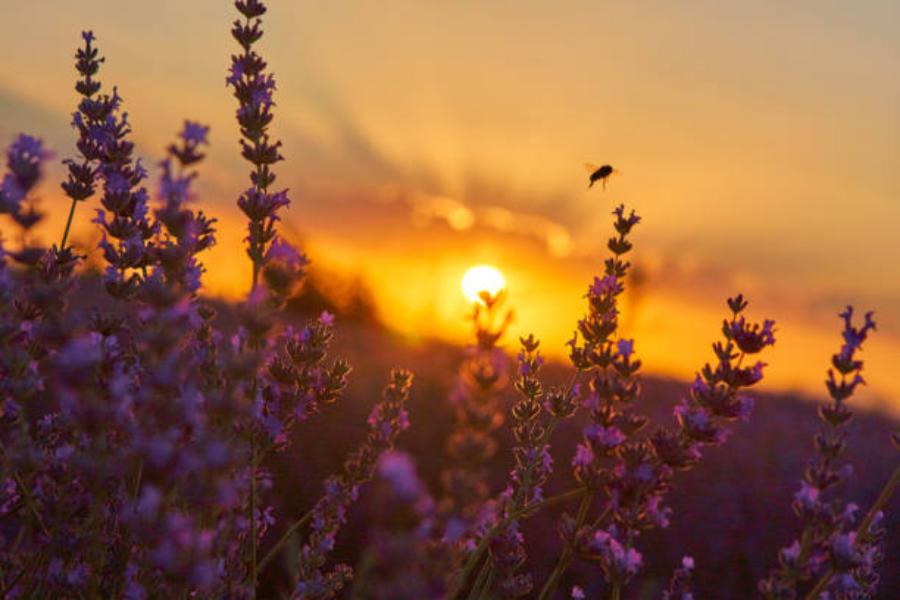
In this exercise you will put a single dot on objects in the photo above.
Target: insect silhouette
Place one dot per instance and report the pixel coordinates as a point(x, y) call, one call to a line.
point(600, 174)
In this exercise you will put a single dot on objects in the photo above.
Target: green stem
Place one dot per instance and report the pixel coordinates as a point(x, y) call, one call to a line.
point(568, 552)
point(29, 501)
point(460, 579)
point(616, 592)
point(863, 531)
point(32, 565)
point(255, 275)
point(62, 244)
point(530, 509)
point(362, 572)
point(475, 557)
point(274, 550)
point(481, 581)
point(883, 498)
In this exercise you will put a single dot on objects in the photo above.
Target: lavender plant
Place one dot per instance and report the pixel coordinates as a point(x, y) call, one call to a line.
point(137, 431)
point(135, 435)
point(478, 416)
point(253, 89)
point(836, 553)
point(404, 560)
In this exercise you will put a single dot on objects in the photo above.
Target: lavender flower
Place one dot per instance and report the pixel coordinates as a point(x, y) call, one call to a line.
point(407, 560)
point(24, 162)
point(91, 120)
point(611, 363)
point(253, 89)
point(387, 419)
point(478, 416)
point(125, 214)
point(47, 272)
point(534, 424)
point(186, 233)
point(298, 383)
point(829, 541)
point(134, 436)
point(680, 585)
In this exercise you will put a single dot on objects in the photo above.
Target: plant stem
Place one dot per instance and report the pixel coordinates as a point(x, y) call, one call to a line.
point(460, 579)
point(29, 501)
point(616, 592)
point(481, 581)
point(566, 556)
point(62, 244)
point(883, 498)
point(255, 276)
point(526, 512)
point(273, 551)
point(32, 565)
point(362, 572)
point(862, 532)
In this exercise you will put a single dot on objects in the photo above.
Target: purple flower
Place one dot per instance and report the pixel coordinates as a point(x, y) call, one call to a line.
point(626, 348)
point(619, 562)
point(24, 162)
point(751, 338)
point(387, 420)
point(680, 585)
point(253, 89)
point(827, 521)
point(584, 457)
point(399, 471)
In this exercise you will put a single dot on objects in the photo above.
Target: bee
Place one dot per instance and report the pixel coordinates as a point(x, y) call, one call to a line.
point(600, 174)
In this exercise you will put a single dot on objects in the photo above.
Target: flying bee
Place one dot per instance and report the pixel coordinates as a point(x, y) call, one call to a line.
point(600, 174)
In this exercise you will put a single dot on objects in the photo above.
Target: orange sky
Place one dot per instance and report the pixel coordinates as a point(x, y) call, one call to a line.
point(758, 140)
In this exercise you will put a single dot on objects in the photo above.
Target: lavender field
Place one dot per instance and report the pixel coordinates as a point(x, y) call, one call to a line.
point(162, 438)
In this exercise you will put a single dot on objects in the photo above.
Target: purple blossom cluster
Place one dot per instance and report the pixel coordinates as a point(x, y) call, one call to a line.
point(253, 88)
point(125, 221)
point(405, 559)
point(134, 430)
point(24, 163)
point(479, 415)
point(187, 233)
point(387, 419)
point(836, 554)
point(680, 586)
point(138, 427)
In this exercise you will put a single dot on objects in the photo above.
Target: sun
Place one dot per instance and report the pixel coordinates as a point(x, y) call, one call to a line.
point(482, 278)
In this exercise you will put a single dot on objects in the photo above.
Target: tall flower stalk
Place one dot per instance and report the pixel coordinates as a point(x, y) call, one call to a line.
point(833, 546)
point(90, 119)
point(613, 387)
point(253, 87)
point(534, 420)
point(386, 421)
point(188, 232)
point(478, 415)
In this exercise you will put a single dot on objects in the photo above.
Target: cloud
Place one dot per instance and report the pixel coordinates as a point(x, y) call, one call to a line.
point(426, 209)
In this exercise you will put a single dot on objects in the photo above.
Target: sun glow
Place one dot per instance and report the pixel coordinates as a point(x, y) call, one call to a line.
point(482, 278)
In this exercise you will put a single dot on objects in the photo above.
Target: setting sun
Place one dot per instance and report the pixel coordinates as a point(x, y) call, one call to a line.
point(482, 278)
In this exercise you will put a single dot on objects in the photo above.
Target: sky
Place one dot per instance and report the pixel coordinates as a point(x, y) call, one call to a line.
point(759, 141)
